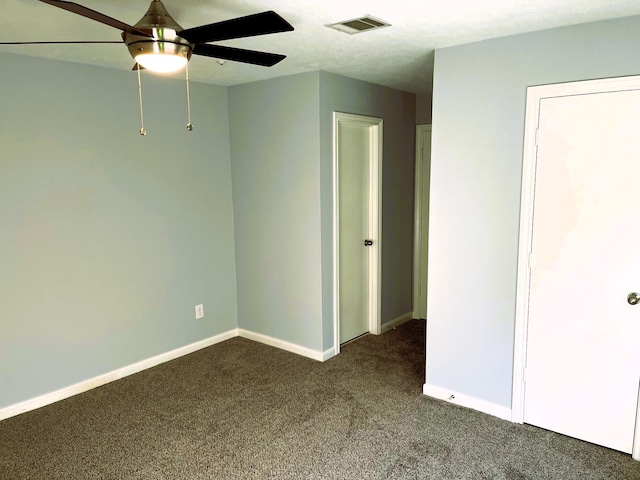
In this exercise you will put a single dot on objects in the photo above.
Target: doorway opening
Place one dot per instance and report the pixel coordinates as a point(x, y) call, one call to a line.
point(421, 221)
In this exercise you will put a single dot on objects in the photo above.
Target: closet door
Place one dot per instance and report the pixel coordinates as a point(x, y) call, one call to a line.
point(583, 343)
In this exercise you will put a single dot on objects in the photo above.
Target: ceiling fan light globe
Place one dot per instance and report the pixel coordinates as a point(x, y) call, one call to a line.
point(161, 62)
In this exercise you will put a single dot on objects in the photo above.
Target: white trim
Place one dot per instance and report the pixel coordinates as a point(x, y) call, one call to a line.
point(91, 383)
point(534, 97)
point(417, 223)
point(327, 354)
point(289, 347)
point(396, 322)
point(524, 249)
point(375, 222)
point(635, 453)
point(80, 387)
point(467, 401)
point(335, 241)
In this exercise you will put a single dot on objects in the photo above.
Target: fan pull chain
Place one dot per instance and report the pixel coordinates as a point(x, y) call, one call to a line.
point(142, 130)
point(189, 126)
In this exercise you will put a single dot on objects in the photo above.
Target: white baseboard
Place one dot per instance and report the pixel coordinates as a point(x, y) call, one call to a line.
point(289, 347)
point(327, 354)
point(467, 401)
point(52, 397)
point(66, 392)
point(396, 322)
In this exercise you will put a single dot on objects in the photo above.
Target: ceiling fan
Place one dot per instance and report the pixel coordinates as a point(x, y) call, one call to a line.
point(158, 43)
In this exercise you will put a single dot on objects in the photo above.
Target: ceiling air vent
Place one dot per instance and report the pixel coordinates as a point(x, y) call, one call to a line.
point(359, 25)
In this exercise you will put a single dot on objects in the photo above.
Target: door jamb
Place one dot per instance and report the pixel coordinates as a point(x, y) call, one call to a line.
point(375, 221)
point(534, 97)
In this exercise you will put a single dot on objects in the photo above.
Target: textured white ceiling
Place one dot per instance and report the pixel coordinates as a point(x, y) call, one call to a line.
point(400, 56)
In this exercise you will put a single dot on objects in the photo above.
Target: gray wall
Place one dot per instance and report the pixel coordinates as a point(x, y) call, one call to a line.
point(276, 199)
point(423, 109)
point(282, 157)
point(108, 238)
point(398, 111)
point(478, 131)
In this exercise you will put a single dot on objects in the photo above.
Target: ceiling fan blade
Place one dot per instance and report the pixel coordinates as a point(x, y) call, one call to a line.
point(97, 16)
point(238, 55)
point(60, 42)
point(249, 26)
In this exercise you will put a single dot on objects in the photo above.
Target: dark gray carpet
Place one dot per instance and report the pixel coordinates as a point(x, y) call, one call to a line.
point(242, 410)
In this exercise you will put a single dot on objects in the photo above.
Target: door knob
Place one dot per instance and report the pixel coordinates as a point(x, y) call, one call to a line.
point(368, 243)
point(633, 298)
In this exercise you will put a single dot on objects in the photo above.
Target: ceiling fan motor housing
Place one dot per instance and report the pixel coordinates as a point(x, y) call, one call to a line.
point(163, 28)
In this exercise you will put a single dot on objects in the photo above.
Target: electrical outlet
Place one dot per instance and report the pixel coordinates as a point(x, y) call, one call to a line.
point(199, 311)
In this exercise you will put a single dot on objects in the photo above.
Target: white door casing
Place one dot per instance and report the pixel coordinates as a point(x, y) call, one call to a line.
point(357, 129)
point(574, 266)
point(421, 220)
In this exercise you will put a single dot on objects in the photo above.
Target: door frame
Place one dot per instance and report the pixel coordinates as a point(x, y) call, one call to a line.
point(532, 113)
point(419, 221)
point(375, 221)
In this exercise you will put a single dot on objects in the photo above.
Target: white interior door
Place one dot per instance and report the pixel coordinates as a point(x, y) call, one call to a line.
point(583, 340)
point(357, 184)
point(421, 223)
point(354, 144)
